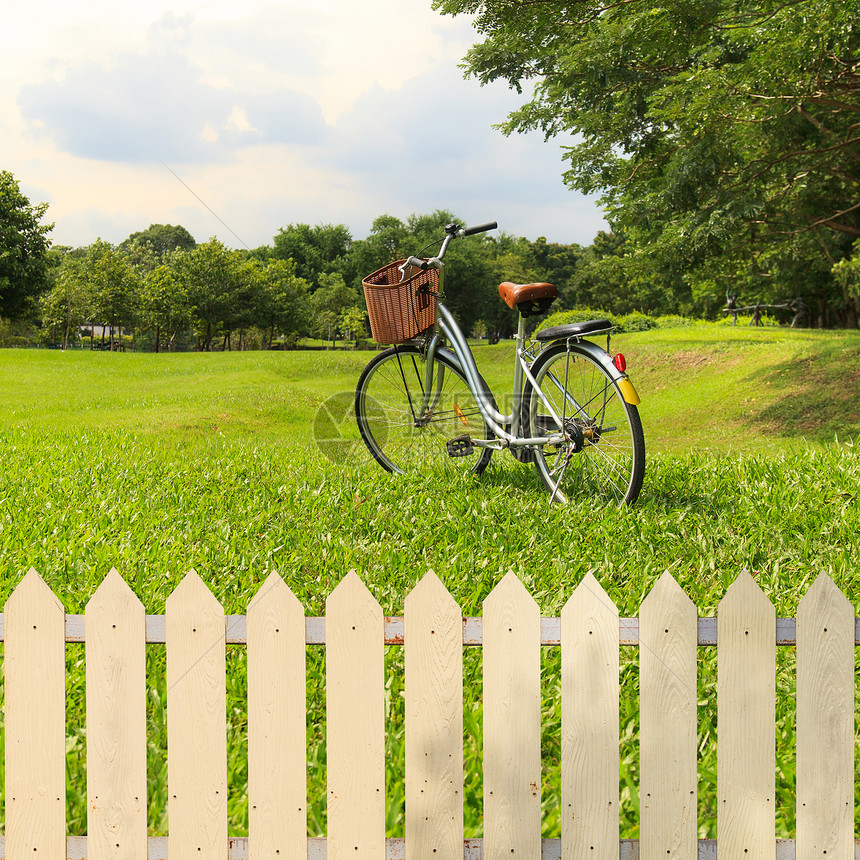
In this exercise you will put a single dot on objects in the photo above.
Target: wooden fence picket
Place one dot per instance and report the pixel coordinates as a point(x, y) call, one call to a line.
point(589, 724)
point(116, 723)
point(667, 714)
point(196, 722)
point(277, 746)
point(35, 716)
point(512, 728)
point(355, 713)
point(34, 631)
point(434, 722)
point(825, 724)
point(746, 746)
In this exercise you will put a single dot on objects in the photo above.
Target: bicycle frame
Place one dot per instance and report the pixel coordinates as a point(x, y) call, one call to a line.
point(465, 361)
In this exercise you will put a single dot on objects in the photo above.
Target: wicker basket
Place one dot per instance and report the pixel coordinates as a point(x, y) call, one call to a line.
point(400, 310)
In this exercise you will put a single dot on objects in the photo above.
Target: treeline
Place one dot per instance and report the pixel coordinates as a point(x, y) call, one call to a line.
point(161, 290)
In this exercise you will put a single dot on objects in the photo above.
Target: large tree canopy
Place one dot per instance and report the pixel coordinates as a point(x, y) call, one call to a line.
point(711, 127)
point(163, 239)
point(24, 247)
point(315, 250)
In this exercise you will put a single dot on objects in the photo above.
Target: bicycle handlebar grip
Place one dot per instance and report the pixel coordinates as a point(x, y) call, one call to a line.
point(480, 228)
point(416, 262)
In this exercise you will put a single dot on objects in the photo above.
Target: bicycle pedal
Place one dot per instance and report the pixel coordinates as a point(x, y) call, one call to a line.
point(460, 446)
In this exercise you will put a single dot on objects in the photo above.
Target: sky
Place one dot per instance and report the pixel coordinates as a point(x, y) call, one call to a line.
point(236, 119)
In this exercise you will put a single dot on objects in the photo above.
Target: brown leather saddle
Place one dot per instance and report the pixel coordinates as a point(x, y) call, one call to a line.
point(528, 299)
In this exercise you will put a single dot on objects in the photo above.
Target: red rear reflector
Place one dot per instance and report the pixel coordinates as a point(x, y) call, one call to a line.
point(620, 362)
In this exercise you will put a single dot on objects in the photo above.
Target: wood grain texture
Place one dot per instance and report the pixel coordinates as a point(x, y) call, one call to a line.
point(355, 711)
point(277, 750)
point(512, 727)
point(35, 716)
point(434, 722)
point(746, 695)
point(667, 713)
point(196, 722)
point(589, 724)
point(116, 723)
point(825, 724)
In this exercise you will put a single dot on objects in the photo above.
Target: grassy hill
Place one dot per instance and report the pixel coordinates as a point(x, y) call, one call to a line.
point(741, 389)
point(708, 387)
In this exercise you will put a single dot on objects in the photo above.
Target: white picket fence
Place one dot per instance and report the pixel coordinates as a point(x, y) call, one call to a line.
point(35, 630)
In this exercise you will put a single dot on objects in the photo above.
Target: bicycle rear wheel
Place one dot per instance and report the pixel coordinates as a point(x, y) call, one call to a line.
point(402, 439)
point(602, 456)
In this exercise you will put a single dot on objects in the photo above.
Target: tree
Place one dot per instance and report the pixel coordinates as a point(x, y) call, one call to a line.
point(315, 250)
point(847, 274)
point(24, 248)
point(556, 263)
point(64, 307)
point(714, 130)
point(388, 241)
point(329, 302)
point(163, 239)
point(164, 306)
point(284, 307)
point(113, 288)
point(212, 278)
point(353, 323)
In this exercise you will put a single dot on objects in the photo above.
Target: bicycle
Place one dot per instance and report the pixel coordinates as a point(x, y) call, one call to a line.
point(422, 403)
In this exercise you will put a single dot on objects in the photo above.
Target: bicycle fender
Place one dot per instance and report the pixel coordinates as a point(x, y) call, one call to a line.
point(602, 357)
point(628, 392)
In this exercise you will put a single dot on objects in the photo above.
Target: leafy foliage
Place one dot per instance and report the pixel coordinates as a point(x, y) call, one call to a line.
point(24, 244)
point(210, 297)
point(718, 132)
point(315, 250)
point(161, 239)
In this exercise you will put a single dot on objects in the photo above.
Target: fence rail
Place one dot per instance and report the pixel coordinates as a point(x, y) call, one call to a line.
point(394, 631)
point(395, 849)
point(115, 630)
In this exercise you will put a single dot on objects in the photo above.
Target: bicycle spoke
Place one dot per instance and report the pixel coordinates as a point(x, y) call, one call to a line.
point(407, 427)
point(601, 456)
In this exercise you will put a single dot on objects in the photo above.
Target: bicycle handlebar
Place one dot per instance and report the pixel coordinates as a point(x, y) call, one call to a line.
point(451, 231)
point(479, 228)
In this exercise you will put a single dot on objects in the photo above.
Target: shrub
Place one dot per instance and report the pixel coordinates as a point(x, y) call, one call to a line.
point(636, 322)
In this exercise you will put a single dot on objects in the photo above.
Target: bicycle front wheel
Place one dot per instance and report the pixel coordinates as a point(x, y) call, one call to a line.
point(407, 430)
point(602, 453)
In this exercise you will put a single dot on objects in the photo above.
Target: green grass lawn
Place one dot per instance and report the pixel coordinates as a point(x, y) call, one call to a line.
point(705, 387)
point(159, 463)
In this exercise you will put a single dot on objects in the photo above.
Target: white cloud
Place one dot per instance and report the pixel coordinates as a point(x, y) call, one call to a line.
point(324, 111)
point(158, 105)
